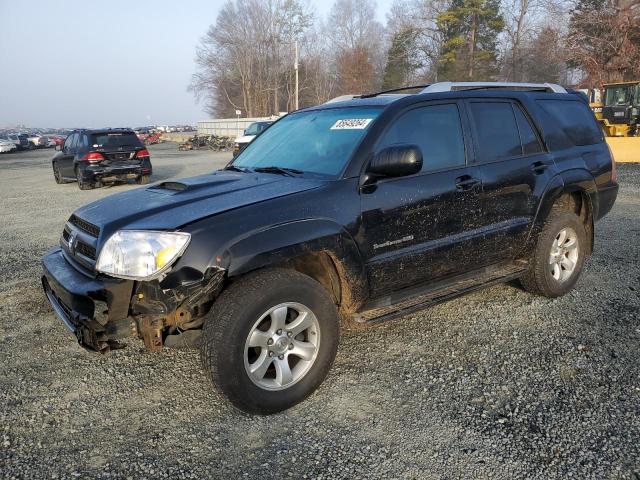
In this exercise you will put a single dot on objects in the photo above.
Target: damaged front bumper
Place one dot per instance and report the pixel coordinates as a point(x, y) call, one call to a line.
point(102, 310)
point(81, 303)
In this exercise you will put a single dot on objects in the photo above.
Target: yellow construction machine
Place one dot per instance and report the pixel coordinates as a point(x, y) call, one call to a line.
point(617, 108)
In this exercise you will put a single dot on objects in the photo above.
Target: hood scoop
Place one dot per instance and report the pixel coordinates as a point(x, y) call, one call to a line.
point(175, 186)
point(203, 182)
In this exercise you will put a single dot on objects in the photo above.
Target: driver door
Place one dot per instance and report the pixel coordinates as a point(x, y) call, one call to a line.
point(68, 154)
point(414, 228)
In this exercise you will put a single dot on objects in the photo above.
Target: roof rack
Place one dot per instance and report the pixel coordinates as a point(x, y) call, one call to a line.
point(452, 86)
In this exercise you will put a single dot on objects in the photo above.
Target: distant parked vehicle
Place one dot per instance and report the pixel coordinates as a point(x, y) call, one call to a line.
point(7, 146)
point(56, 139)
point(36, 141)
point(97, 157)
point(20, 140)
point(251, 132)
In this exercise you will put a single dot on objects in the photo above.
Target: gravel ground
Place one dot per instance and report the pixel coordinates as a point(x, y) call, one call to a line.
point(496, 384)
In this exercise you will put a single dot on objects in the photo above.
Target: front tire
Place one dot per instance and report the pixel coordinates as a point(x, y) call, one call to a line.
point(270, 340)
point(56, 174)
point(559, 255)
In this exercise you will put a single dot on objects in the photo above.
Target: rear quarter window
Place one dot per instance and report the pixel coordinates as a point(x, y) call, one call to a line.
point(574, 119)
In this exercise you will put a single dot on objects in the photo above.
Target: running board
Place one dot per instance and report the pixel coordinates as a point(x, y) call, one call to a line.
point(411, 300)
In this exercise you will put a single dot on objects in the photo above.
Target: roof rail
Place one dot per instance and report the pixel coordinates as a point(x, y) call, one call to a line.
point(451, 86)
point(393, 90)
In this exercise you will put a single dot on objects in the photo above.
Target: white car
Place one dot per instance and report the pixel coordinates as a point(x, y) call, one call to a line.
point(37, 140)
point(7, 146)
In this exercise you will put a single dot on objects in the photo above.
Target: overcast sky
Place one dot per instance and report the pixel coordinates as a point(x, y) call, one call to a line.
point(78, 63)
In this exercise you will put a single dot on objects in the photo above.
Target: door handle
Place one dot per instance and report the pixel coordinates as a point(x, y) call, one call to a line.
point(539, 167)
point(466, 182)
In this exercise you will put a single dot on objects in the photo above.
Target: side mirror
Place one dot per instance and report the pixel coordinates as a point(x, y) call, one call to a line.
point(396, 161)
point(59, 148)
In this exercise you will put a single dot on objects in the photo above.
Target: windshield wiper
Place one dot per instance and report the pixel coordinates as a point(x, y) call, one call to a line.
point(291, 172)
point(236, 169)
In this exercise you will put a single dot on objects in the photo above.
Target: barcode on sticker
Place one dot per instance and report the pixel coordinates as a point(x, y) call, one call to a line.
point(351, 124)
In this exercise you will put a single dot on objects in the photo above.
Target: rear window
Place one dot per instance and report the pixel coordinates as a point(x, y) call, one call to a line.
point(574, 119)
point(115, 140)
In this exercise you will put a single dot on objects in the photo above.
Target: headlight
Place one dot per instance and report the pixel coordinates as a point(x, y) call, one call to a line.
point(141, 255)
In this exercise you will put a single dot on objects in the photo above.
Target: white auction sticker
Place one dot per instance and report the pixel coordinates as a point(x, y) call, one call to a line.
point(352, 124)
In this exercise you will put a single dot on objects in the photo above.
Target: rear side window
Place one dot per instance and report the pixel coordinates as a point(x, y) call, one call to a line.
point(496, 130)
point(574, 119)
point(70, 142)
point(115, 140)
point(530, 141)
point(83, 143)
point(436, 129)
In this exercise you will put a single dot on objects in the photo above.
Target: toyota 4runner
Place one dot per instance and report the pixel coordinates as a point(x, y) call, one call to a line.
point(362, 209)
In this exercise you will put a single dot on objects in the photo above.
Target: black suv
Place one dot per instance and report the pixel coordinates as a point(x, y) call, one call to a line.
point(359, 210)
point(97, 157)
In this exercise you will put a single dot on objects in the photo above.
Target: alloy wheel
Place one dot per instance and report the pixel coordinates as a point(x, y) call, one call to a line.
point(282, 346)
point(564, 254)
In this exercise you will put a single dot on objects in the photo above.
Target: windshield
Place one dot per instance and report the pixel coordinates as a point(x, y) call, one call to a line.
point(622, 95)
point(318, 141)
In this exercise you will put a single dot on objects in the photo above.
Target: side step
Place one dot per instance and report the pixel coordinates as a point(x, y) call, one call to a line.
point(404, 302)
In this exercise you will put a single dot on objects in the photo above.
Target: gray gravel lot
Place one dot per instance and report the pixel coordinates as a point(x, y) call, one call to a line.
point(496, 384)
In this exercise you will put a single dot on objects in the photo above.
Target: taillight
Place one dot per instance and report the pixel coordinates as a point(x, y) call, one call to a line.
point(93, 157)
point(142, 153)
point(614, 171)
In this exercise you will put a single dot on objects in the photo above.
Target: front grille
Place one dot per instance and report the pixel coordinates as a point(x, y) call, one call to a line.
point(86, 250)
point(85, 226)
point(65, 235)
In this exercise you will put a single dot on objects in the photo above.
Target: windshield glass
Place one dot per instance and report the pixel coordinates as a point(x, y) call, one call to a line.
point(618, 96)
point(316, 142)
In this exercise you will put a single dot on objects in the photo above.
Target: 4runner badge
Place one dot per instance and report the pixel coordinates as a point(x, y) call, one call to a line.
point(388, 243)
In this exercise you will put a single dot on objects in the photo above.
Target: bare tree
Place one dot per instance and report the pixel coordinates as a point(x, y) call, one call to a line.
point(358, 40)
point(520, 29)
point(247, 64)
point(604, 40)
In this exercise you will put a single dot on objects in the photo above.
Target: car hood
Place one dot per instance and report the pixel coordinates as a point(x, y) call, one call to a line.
point(172, 204)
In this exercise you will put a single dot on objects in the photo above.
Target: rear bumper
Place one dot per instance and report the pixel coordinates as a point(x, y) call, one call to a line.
point(81, 302)
point(92, 173)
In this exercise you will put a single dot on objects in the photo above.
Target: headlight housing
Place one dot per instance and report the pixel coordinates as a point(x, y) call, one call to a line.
point(141, 254)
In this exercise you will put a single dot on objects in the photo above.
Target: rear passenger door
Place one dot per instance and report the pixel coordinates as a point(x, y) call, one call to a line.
point(415, 228)
point(513, 167)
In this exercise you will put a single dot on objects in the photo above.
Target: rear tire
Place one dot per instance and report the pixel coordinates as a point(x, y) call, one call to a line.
point(253, 324)
point(81, 183)
point(559, 255)
point(143, 179)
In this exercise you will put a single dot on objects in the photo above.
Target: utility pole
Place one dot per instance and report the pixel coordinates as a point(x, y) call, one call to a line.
point(295, 66)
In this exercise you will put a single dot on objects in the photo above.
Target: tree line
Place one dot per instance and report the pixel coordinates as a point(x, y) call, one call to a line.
point(245, 61)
